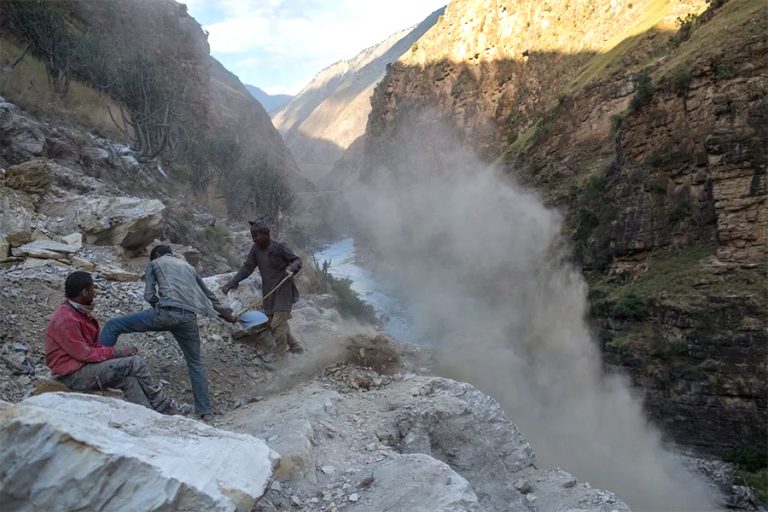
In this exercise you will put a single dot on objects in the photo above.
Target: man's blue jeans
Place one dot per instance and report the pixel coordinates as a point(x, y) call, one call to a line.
point(183, 325)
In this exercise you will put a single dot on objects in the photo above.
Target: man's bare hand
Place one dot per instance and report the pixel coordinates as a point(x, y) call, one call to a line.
point(227, 287)
point(126, 351)
point(229, 317)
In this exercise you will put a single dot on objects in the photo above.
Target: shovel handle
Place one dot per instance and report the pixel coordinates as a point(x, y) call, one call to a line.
point(260, 302)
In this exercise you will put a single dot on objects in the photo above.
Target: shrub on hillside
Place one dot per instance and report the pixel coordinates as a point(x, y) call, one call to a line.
point(681, 80)
point(680, 212)
point(630, 306)
point(643, 90)
point(752, 469)
point(594, 189)
point(685, 24)
point(655, 185)
point(349, 303)
point(750, 458)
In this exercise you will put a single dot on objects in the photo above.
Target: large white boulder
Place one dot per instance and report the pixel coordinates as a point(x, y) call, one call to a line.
point(69, 451)
point(129, 222)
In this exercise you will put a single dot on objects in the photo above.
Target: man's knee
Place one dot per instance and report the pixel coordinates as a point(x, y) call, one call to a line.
point(135, 364)
point(195, 362)
point(279, 321)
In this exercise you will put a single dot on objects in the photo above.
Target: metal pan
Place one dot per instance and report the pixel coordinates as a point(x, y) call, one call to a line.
point(252, 318)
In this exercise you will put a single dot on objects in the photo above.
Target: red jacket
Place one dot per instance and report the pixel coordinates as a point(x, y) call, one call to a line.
point(72, 341)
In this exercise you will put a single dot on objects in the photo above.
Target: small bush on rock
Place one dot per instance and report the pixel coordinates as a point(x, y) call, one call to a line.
point(752, 464)
point(682, 80)
point(679, 212)
point(595, 188)
point(349, 303)
point(630, 306)
point(643, 91)
point(655, 185)
point(686, 24)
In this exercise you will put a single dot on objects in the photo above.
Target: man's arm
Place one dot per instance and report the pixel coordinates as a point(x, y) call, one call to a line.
point(220, 308)
point(71, 340)
point(246, 270)
point(294, 262)
point(150, 286)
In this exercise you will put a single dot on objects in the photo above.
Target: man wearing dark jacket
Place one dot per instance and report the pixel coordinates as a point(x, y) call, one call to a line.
point(177, 294)
point(275, 261)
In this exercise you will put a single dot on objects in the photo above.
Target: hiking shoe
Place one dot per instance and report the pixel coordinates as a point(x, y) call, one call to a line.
point(296, 349)
point(206, 417)
point(178, 409)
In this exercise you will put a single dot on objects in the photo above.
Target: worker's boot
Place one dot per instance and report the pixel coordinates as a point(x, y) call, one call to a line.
point(294, 347)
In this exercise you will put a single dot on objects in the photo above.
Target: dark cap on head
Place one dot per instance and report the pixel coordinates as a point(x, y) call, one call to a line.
point(258, 226)
point(77, 282)
point(160, 250)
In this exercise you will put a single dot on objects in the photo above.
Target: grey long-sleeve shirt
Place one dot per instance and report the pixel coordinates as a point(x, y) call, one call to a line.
point(272, 263)
point(172, 282)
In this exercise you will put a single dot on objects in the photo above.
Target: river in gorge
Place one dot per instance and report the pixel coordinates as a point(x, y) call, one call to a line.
point(392, 310)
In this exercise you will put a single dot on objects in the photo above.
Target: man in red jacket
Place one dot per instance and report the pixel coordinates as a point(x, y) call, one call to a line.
point(75, 357)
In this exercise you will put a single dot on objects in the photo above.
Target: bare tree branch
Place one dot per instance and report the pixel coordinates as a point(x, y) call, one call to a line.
point(8, 68)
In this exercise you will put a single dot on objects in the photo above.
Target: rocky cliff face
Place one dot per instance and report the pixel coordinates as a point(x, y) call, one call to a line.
point(331, 112)
point(650, 136)
point(491, 67)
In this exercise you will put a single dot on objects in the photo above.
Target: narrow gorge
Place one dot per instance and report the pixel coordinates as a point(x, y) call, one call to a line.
point(535, 245)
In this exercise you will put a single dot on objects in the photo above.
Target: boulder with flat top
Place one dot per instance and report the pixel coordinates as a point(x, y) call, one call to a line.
point(129, 222)
point(70, 451)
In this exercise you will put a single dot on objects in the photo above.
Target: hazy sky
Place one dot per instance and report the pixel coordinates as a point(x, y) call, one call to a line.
point(279, 45)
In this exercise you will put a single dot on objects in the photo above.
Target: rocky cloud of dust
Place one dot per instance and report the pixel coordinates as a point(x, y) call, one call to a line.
point(479, 262)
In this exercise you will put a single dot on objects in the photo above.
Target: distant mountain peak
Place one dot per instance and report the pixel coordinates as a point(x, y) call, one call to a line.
point(270, 102)
point(330, 114)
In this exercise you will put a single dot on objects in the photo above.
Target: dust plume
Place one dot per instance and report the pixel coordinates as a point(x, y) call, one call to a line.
point(482, 265)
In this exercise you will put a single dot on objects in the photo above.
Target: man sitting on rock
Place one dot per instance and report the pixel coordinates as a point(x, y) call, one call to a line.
point(177, 294)
point(275, 261)
point(77, 360)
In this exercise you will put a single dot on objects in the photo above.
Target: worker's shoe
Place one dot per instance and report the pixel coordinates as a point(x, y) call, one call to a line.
point(296, 349)
point(178, 409)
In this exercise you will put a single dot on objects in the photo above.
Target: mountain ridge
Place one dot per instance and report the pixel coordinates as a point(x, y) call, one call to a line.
point(331, 112)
